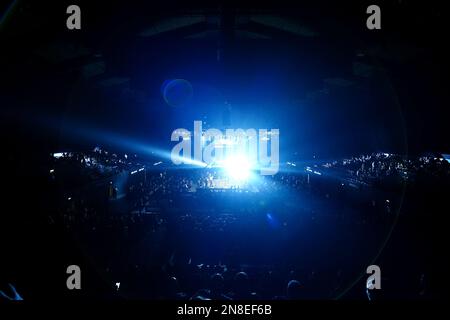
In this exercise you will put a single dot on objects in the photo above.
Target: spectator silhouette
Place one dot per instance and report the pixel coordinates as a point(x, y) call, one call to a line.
point(215, 291)
point(242, 287)
point(294, 290)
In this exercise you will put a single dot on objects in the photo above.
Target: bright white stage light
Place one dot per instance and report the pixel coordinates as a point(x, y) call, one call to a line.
point(237, 168)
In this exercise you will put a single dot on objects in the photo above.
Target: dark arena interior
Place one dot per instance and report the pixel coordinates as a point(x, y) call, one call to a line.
point(119, 158)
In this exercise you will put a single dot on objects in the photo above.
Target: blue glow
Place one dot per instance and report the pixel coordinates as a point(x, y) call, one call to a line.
point(238, 167)
point(446, 157)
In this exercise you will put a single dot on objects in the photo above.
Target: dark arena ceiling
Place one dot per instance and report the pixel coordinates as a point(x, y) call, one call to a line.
point(316, 60)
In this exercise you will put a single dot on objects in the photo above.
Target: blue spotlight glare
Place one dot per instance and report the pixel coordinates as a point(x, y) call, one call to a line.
point(237, 168)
